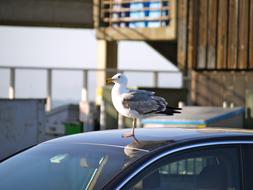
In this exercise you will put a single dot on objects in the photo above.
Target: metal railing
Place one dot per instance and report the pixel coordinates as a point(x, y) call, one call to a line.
point(85, 80)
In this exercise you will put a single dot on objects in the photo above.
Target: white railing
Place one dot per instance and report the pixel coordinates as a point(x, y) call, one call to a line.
point(85, 72)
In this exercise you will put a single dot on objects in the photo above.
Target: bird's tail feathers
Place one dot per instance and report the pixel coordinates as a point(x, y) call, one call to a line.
point(170, 110)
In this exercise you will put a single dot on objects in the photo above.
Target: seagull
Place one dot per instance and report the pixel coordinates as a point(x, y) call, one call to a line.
point(137, 104)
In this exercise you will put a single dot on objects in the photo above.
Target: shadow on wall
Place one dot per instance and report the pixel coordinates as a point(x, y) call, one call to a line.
point(214, 88)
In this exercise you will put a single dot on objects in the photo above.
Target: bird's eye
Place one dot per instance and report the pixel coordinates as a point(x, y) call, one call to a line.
point(118, 76)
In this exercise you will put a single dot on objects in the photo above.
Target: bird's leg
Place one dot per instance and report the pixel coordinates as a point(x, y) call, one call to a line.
point(133, 130)
point(134, 125)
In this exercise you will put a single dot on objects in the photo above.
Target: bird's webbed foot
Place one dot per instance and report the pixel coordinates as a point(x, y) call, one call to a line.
point(127, 135)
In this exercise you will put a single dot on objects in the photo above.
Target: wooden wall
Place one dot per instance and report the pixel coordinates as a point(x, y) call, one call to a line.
point(215, 34)
point(47, 13)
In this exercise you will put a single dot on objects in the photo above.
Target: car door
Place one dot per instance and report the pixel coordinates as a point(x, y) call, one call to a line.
point(247, 166)
point(215, 167)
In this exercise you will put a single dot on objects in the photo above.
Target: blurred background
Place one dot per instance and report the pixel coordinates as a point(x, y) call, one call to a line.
point(55, 56)
point(70, 48)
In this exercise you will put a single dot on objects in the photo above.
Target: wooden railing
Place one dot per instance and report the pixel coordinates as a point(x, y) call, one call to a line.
point(135, 19)
point(130, 12)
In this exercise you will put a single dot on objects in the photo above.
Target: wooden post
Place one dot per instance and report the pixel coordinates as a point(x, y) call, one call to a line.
point(84, 97)
point(120, 121)
point(173, 17)
point(107, 59)
point(155, 79)
point(12, 83)
point(249, 103)
point(102, 116)
point(49, 90)
point(96, 13)
point(249, 108)
point(84, 106)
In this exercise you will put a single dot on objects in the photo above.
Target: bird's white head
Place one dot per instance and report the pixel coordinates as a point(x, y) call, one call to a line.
point(119, 78)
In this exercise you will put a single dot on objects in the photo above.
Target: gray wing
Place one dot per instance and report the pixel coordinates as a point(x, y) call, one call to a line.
point(144, 102)
point(142, 91)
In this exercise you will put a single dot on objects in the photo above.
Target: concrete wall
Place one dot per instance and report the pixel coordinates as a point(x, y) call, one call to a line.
point(59, 116)
point(21, 124)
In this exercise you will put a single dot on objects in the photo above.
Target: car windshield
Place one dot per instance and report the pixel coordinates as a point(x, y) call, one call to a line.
point(65, 166)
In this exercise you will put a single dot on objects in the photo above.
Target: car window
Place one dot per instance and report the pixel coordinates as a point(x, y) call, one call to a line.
point(206, 169)
point(64, 167)
point(248, 167)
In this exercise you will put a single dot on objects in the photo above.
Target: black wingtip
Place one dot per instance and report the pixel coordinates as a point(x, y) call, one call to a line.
point(171, 110)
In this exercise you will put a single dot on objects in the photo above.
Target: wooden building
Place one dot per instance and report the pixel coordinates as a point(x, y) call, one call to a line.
point(216, 46)
point(209, 40)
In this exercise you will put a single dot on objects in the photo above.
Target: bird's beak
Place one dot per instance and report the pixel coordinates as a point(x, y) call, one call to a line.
point(109, 81)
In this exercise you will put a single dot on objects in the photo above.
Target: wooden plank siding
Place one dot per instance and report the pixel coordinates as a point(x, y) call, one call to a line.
point(243, 34)
point(202, 45)
point(232, 34)
point(219, 35)
point(47, 13)
point(212, 34)
point(182, 35)
point(251, 36)
point(222, 72)
point(192, 32)
point(222, 35)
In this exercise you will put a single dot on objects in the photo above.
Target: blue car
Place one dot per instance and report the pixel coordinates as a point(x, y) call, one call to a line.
point(157, 158)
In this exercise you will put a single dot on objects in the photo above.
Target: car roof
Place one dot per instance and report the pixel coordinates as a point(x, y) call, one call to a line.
point(151, 138)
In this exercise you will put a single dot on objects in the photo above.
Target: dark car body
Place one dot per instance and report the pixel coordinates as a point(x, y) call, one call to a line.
point(156, 158)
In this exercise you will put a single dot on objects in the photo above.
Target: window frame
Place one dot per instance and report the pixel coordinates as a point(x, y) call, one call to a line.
point(183, 149)
point(244, 163)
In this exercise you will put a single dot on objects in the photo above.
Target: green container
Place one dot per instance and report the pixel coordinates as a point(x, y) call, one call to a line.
point(73, 128)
